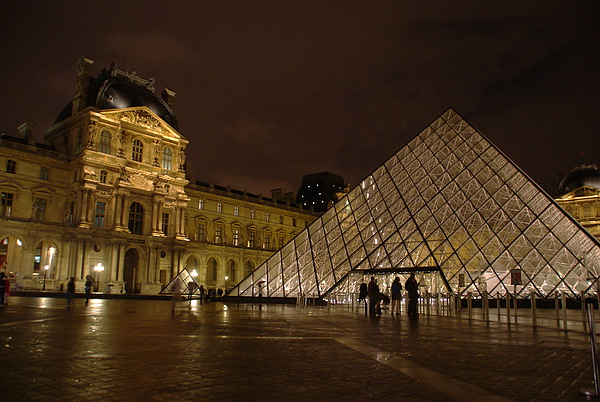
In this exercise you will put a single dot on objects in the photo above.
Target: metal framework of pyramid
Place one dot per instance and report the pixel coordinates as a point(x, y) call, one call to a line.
point(449, 201)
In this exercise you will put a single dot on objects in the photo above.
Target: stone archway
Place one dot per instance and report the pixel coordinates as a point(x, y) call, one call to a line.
point(130, 269)
point(211, 272)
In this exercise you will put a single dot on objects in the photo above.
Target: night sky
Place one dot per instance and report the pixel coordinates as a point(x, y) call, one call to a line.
point(268, 91)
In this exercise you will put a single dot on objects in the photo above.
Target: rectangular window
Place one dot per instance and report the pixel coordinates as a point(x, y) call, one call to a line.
point(236, 210)
point(201, 236)
point(281, 241)
point(200, 204)
point(44, 173)
point(6, 202)
point(281, 219)
point(219, 207)
point(293, 221)
point(165, 223)
point(267, 241)
point(236, 237)
point(39, 209)
point(104, 145)
point(218, 235)
point(11, 166)
point(252, 214)
point(100, 214)
point(251, 238)
point(103, 175)
point(167, 159)
point(137, 150)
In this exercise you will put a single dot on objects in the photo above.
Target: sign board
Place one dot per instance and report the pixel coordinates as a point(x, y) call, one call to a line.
point(515, 276)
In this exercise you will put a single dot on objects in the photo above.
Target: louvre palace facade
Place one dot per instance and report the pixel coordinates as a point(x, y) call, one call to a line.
point(106, 195)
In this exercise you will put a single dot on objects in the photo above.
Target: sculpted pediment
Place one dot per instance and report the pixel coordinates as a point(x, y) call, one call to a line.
point(584, 191)
point(144, 117)
point(141, 182)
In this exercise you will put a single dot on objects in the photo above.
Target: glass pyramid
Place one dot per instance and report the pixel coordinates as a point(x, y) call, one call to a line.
point(448, 202)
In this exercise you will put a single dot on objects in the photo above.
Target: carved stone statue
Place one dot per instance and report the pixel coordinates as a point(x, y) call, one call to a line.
point(92, 132)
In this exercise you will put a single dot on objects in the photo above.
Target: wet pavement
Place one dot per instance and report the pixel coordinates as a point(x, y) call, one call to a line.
point(137, 350)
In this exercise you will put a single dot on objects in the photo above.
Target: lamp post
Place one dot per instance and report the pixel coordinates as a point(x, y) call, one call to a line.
point(226, 283)
point(46, 268)
point(51, 252)
point(98, 268)
point(192, 285)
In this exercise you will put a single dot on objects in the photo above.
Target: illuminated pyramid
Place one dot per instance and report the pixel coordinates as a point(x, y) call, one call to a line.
point(451, 203)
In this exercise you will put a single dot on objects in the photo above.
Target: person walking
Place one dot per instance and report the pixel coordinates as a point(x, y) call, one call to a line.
point(396, 295)
point(202, 291)
point(89, 283)
point(374, 298)
point(70, 292)
point(175, 294)
point(412, 287)
point(3, 287)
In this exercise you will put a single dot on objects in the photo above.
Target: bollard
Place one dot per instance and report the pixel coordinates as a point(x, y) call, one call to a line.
point(498, 304)
point(583, 312)
point(593, 346)
point(508, 307)
point(564, 310)
point(485, 306)
point(437, 304)
point(533, 310)
point(557, 308)
point(469, 304)
point(428, 305)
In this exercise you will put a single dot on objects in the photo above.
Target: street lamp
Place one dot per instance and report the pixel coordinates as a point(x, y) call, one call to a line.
point(226, 283)
point(51, 252)
point(98, 268)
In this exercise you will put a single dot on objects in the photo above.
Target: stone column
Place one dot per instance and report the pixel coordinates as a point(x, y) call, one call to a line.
point(120, 261)
point(83, 206)
point(118, 210)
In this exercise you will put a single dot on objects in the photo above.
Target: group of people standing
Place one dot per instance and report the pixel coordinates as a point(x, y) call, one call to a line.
point(375, 296)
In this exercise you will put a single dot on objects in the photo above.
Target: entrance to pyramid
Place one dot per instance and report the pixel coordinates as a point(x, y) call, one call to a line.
point(431, 280)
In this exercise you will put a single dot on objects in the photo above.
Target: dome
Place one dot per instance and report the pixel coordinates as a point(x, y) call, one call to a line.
point(115, 89)
point(120, 94)
point(585, 175)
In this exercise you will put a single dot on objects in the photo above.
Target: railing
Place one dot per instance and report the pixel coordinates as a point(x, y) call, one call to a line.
point(558, 311)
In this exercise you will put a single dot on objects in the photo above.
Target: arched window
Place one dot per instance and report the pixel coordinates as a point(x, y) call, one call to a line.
point(231, 271)
point(104, 145)
point(137, 150)
point(211, 272)
point(136, 218)
point(167, 160)
point(248, 268)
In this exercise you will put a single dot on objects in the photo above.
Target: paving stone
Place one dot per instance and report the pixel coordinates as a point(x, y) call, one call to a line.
point(136, 350)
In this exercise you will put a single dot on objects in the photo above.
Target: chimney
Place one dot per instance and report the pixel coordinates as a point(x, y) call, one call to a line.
point(84, 72)
point(26, 130)
point(168, 96)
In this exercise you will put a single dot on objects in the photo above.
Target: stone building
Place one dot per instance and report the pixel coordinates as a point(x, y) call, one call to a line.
point(106, 194)
point(579, 195)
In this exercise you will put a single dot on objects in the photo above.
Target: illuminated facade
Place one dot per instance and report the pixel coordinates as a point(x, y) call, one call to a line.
point(449, 206)
point(580, 196)
point(106, 194)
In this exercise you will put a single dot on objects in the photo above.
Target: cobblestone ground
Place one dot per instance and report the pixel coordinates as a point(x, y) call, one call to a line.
point(137, 350)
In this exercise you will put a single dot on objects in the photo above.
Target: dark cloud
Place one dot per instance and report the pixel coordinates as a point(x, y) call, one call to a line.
point(269, 91)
